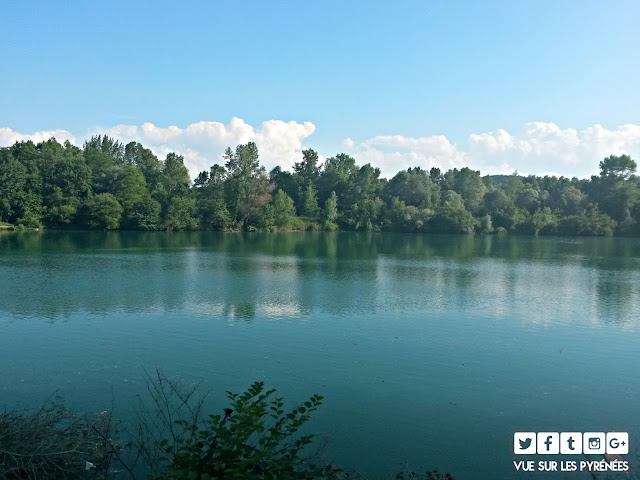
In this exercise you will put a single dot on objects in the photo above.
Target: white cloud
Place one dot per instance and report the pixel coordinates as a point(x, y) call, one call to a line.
point(392, 153)
point(348, 143)
point(9, 137)
point(202, 143)
point(544, 147)
point(539, 148)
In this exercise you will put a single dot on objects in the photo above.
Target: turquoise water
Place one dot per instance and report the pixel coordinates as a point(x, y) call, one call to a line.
point(430, 350)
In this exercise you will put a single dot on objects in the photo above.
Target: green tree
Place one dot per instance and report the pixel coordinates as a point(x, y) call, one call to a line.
point(247, 184)
point(26, 204)
point(528, 199)
point(212, 208)
point(485, 224)
point(283, 208)
point(104, 155)
point(102, 211)
point(15, 198)
point(407, 218)
point(512, 185)
point(541, 219)
point(311, 208)
point(335, 177)
point(308, 169)
point(284, 180)
point(469, 185)
point(590, 222)
point(181, 214)
point(107, 145)
point(175, 181)
point(150, 166)
point(618, 167)
point(616, 190)
point(330, 212)
point(571, 200)
point(66, 181)
point(452, 216)
point(436, 176)
point(144, 214)
point(362, 202)
point(129, 186)
point(304, 173)
point(414, 187)
point(496, 201)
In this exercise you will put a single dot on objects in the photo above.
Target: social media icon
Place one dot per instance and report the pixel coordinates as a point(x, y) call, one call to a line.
point(593, 442)
point(571, 443)
point(524, 443)
point(618, 442)
point(548, 443)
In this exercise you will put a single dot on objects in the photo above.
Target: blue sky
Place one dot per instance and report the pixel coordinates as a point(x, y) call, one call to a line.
point(395, 82)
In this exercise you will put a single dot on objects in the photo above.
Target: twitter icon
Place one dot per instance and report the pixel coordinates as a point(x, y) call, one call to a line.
point(524, 443)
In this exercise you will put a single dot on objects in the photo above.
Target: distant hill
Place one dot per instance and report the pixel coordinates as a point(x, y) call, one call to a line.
point(499, 179)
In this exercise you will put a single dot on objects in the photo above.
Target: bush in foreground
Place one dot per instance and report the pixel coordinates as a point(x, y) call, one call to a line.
point(171, 438)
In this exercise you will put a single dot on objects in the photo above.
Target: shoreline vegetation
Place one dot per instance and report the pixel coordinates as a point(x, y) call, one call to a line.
point(107, 185)
point(171, 435)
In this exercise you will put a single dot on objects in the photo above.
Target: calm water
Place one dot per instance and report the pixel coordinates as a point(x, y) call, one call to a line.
point(428, 349)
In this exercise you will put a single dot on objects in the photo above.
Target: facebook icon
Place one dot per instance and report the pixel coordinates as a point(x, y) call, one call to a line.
point(548, 443)
point(571, 443)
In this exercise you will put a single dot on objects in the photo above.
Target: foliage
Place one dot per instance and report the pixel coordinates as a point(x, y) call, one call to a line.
point(181, 214)
point(254, 438)
point(452, 216)
point(593, 223)
point(311, 208)
point(283, 208)
point(59, 185)
point(102, 211)
point(171, 437)
point(54, 442)
point(414, 187)
point(330, 212)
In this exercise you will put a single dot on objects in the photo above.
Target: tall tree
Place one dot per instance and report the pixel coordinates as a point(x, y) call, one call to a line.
point(330, 211)
point(175, 181)
point(212, 208)
point(248, 187)
point(283, 208)
point(151, 167)
point(414, 187)
point(102, 211)
point(66, 181)
point(311, 208)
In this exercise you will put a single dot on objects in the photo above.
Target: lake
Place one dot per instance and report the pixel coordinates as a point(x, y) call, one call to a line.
point(429, 349)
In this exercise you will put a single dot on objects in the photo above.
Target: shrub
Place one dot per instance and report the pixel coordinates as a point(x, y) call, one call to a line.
point(296, 223)
point(330, 226)
point(254, 438)
point(54, 442)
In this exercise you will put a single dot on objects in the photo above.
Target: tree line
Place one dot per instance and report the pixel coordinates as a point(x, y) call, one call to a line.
point(107, 185)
